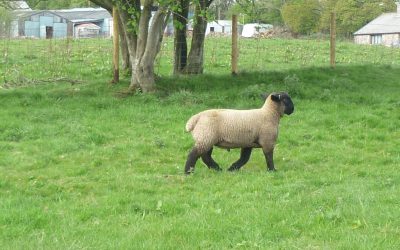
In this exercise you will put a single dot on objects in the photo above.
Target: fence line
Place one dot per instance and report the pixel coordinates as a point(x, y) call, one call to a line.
point(30, 60)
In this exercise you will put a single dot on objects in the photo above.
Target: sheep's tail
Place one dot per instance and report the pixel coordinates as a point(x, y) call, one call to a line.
point(192, 123)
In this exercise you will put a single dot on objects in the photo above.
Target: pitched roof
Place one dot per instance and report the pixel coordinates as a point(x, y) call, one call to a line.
point(83, 13)
point(88, 25)
point(387, 23)
point(28, 13)
point(77, 14)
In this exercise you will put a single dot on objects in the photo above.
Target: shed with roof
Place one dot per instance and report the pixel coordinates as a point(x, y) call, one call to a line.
point(384, 30)
point(60, 23)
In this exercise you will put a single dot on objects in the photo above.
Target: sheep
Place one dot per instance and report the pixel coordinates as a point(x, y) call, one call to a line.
point(245, 129)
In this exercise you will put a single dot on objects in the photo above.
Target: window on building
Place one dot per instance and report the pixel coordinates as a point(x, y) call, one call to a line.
point(211, 29)
point(376, 39)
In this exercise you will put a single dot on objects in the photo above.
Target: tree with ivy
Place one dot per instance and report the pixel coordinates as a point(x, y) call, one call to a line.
point(191, 62)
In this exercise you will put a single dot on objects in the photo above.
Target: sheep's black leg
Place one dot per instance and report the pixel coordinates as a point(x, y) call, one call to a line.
point(191, 161)
point(244, 158)
point(209, 161)
point(269, 157)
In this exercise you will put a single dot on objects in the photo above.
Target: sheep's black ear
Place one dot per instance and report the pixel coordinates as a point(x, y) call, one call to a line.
point(276, 97)
point(264, 96)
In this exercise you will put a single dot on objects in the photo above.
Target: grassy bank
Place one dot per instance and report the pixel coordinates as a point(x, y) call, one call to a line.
point(80, 168)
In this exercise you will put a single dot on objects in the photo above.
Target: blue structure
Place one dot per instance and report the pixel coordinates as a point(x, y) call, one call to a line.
point(59, 23)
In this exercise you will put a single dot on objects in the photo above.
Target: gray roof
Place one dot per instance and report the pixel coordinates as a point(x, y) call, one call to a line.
point(79, 14)
point(83, 13)
point(27, 13)
point(387, 23)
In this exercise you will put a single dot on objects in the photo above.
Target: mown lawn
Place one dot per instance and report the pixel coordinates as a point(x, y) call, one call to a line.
point(83, 169)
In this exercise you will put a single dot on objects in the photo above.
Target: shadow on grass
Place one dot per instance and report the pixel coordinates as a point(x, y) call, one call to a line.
point(307, 83)
point(347, 82)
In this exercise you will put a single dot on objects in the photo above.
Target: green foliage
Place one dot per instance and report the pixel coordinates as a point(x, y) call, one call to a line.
point(59, 4)
point(327, 7)
point(301, 16)
point(5, 22)
point(133, 22)
point(293, 85)
point(308, 16)
point(80, 168)
point(258, 11)
point(351, 15)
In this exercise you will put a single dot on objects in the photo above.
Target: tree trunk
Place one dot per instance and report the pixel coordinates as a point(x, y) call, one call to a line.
point(148, 46)
point(138, 71)
point(130, 37)
point(126, 63)
point(180, 19)
point(196, 54)
point(143, 42)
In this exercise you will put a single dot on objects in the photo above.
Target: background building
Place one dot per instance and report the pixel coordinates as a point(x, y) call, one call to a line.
point(62, 23)
point(384, 30)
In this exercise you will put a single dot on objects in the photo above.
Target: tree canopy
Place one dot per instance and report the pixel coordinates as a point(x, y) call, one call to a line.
point(59, 4)
point(305, 16)
point(301, 16)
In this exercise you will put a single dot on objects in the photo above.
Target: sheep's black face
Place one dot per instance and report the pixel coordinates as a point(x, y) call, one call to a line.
point(285, 99)
point(289, 106)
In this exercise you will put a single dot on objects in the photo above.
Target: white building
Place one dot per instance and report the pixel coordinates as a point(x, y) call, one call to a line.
point(384, 30)
point(219, 26)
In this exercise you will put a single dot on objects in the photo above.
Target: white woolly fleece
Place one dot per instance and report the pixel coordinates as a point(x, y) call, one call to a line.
point(230, 128)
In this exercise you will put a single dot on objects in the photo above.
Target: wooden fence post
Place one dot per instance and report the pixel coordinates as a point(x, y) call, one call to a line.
point(116, 46)
point(235, 51)
point(333, 40)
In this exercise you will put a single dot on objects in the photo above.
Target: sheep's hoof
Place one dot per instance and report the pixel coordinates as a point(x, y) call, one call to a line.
point(233, 168)
point(271, 170)
point(189, 171)
point(217, 168)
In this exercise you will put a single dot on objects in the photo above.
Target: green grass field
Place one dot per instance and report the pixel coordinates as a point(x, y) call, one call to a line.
point(83, 169)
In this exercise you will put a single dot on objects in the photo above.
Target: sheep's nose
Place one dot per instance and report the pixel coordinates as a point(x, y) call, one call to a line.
point(290, 110)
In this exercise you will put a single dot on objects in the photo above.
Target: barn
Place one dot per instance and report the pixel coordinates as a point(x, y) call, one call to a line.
point(384, 30)
point(39, 24)
point(60, 23)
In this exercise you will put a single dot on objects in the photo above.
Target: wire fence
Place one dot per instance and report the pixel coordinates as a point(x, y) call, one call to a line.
point(35, 61)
